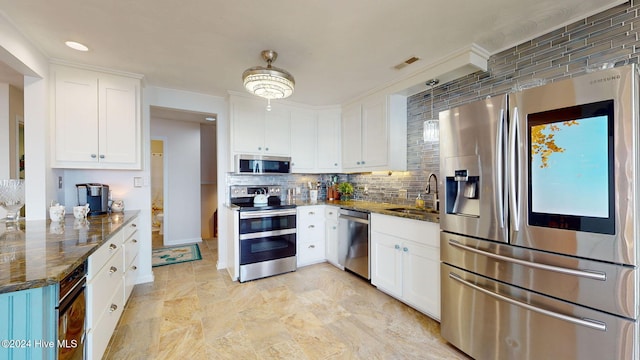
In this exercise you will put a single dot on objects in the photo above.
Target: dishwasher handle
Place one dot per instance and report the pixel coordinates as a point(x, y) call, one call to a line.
point(354, 219)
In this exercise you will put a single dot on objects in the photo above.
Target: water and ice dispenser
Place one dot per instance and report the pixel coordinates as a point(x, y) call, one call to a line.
point(462, 193)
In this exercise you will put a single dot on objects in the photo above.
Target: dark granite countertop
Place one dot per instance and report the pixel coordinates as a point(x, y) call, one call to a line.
point(38, 253)
point(380, 208)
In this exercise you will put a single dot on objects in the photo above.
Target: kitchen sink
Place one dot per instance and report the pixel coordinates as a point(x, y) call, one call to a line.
point(414, 211)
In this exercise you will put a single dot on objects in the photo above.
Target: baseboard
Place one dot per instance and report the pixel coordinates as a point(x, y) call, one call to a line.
point(145, 279)
point(182, 241)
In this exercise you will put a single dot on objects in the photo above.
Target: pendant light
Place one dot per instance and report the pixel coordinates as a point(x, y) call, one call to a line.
point(431, 128)
point(268, 82)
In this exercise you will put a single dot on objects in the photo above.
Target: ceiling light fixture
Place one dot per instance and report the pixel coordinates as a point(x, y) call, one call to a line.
point(431, 128)
point(210, 118)
point(76, 46)
point(268, 82)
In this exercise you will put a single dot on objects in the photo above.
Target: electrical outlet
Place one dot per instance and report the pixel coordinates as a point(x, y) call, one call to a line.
point(137, 181)
point(402, 194)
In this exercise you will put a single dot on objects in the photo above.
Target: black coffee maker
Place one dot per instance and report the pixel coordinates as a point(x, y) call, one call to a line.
point(96, 195)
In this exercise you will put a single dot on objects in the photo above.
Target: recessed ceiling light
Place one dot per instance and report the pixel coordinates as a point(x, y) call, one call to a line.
point(76, 46)
point(209, 118)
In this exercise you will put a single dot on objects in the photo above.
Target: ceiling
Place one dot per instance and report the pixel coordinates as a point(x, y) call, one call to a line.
point(335, 49)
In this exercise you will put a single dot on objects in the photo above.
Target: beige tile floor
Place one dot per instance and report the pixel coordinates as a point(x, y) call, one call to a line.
point(194, 311)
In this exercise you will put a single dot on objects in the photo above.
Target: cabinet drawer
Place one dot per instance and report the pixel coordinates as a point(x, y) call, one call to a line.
point(130, 276)
point(99, 333)
point(99, 258)
point(310, 232)
point(101, 288)
point(131, 249)
point(331, 213)
point(130, 229)
point(424, 232)
point(311, 252)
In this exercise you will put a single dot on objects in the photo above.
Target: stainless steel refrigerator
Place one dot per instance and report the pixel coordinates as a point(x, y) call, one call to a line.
point(539, 241)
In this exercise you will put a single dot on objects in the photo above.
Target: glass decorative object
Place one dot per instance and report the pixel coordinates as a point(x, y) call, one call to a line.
point(12, 195)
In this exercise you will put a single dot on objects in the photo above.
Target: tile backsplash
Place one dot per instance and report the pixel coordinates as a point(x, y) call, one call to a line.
point(610, 36)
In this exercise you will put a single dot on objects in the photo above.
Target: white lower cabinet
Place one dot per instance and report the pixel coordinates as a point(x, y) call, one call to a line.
point(331, 234)
point(405, 261)
point(110, 279)
point(130, 258)
point(310, 235)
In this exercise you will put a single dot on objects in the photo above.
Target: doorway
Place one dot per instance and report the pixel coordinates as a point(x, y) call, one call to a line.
point(183, 176)
point(158, 175)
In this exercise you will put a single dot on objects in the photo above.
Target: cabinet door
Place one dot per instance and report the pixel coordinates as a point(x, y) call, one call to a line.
point(119, 125)
point(247, 126)
point(303, 141)
point(29, 316)
point(329, 154)
point(351, 137)
point(421, 277)
point(277, 132)
point(386, 263)
point(75, 114)
point(375, 133)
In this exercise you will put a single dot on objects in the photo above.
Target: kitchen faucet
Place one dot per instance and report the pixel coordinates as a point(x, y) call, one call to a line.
point(436, 201)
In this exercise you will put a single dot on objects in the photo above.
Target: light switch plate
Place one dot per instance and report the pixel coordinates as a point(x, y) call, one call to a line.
point(137, 181)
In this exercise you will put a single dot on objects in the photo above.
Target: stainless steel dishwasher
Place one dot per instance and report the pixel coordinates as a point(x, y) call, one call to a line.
point(353, 241)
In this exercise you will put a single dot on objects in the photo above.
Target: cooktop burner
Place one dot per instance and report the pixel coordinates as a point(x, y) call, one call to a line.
point(244, 196)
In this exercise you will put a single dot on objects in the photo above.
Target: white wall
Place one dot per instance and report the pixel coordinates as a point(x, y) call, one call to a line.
point(21, 55)
point(182, 158)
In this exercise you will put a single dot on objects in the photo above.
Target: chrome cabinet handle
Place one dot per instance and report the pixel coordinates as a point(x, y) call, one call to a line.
point(113, 308)
point(266, 149)
point(311, 226)
point(134, 241)
point(362, 162)
point(405, 249)
point(259, 147)
point(311, 213)
point(593, 324)
point(113, 269)
point(396, 247)
point(113, 246)
point(312, 246)
point(589, 274)
point(134, 225)
point(93, 156)
point(133, 267)
point(101, 156)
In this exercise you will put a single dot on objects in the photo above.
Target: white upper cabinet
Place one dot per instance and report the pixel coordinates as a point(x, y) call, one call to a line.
point(254, 130)
point(96, 120)
point(374, 134)
point(329, 154)
point(310, 136)
point(315, 141)
point(303, 140)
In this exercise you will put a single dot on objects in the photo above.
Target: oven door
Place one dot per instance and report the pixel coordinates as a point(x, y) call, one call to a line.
point(71, 323)
point(572, 166)
point(255, 222)
point(266, 246)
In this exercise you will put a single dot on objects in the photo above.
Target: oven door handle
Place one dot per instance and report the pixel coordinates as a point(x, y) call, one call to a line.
point(589, 274)
point(590, 323)
point(266, 213)
point(263, 234)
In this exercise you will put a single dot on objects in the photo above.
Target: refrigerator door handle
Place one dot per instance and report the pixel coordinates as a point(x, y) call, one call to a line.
point(499, 169)
point(513, 155)
point(590, 323)
point(589, 274)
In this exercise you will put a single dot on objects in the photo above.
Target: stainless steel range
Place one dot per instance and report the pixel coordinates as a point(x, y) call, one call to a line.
point(267, 231)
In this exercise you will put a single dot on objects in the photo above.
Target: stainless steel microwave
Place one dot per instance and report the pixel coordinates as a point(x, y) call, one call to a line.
point(258, 164)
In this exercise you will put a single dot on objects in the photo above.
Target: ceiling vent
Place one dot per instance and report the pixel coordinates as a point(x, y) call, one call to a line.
point(407, 62)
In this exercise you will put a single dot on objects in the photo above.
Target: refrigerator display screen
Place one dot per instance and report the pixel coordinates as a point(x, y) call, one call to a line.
point(571, 168)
